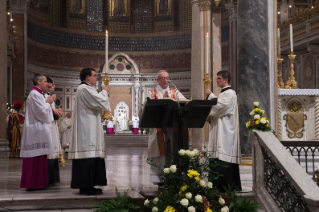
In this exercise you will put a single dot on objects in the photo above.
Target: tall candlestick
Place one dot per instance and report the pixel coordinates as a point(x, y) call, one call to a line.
point(278, 44)
point(106, 51)
point(291, 40)
point(207, 48)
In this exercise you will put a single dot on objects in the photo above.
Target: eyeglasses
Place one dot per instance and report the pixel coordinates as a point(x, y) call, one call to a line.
point(163, 78)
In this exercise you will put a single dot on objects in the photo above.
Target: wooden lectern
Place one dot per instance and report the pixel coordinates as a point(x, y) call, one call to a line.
point(174, 118)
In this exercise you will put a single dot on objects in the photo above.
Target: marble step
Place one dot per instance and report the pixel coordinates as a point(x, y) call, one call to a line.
point(126, 140)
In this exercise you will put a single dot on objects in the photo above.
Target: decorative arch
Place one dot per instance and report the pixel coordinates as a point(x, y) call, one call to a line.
point(120, 108)
point(121, 63)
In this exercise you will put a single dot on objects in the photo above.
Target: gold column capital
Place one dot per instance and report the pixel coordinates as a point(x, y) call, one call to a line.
point(204, 5)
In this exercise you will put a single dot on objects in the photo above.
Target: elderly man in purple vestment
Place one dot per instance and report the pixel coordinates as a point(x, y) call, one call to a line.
point(36, 139)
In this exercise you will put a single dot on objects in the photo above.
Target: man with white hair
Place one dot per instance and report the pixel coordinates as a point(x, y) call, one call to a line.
point(66, 125)
point(156, 138)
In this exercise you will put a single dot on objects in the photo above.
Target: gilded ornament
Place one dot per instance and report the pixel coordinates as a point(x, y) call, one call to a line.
point(204, 6)
point(295, 119)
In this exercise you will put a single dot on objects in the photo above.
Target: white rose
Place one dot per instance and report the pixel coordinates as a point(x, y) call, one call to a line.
point(252, 113)
point(191, 154)
point(262, 111)
point(210, 185)
point(154, 209)
point(256, 104)
point(263, 121)
point(257, 117)
point(267, 121)
point(202, 183)
point(181, 152)
point(187, 152)
point(166, 170)
point(184, 202)
point(196, 152)
point(199, 198)
point(221, 201)
point(173, 168)
point(146, 202)
point(191, 209)
point(188, 195)
point(224, 209)
point(155, 200)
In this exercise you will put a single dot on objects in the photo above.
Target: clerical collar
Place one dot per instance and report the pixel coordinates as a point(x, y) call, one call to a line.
point(225, 89)
point(85, 83)
point(36, 88)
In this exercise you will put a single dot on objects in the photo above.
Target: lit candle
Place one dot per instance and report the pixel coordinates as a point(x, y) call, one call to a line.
point(106, 51)
point(207, 48)
point(278, 46)
point(291, 41)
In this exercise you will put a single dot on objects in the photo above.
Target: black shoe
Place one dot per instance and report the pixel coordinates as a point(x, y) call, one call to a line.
point(97, 191)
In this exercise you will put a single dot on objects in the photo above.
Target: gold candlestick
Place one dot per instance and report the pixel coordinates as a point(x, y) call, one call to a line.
point(106, 114)
point(281, 83)
point(207, 81)
point(291, 83)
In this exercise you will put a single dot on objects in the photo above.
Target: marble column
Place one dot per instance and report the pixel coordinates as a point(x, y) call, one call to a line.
point(232, 13)
point(3, 70)
point(137, 87)
point(216, 47)
point(200, 26)
point(252, 63)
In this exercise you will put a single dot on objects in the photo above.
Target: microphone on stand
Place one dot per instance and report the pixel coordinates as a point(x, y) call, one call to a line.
point(177, 91)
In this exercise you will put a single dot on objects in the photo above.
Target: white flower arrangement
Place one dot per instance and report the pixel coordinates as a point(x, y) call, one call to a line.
point(210, 185)
point(146, 202)
point(166, 170)
point(257, 117)
point(221, 201)
point(155, 200)
point(202, 183)
point(181, 152)
point(154, 209)
point(191, 209)
point(224, 209)
point(256, 104)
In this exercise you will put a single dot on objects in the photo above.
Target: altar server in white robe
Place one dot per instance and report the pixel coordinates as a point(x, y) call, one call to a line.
point(53, 159)
point(157, 138)
point(135, 122)
point(87, 146)
point(224, 144)
point(36, 139)
point(66, 125)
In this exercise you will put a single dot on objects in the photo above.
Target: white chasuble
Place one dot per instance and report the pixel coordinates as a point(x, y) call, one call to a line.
point(66, 130)
point(224, 128)
point(87, 131)
point(36, 139)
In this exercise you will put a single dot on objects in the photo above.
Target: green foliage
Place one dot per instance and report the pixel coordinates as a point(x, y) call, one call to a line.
point(120, 204)
point(243, 205)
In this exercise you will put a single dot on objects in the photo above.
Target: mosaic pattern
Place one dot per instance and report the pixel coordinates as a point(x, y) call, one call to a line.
point(91, 42)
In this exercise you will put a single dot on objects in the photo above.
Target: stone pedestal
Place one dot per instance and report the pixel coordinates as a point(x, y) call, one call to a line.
point(3, 70)
point(252, 63)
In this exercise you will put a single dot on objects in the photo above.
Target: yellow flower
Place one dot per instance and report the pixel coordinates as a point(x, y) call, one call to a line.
point(169, 209)
point(182, 189)
point(193, 174)
point(257, 110)
point(248, 124)
point(258, 121)
point(267, 125)
point(208, 210)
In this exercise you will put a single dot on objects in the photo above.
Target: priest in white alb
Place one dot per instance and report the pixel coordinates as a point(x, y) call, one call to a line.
point(53, 159)
point(36, 139)
point(66, 130)
point(156, 138)
point(87, 149)
point(224, 142)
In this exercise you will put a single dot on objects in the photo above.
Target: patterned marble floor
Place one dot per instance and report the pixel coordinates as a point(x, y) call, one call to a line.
point(126, 169)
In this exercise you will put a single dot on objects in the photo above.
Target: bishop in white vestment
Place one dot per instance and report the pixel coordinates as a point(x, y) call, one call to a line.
point(87, 146)
point(36, 141)
point(224, 142)
point(156, 138)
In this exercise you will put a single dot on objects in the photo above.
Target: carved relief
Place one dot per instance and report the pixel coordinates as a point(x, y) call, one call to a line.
point(295, 120)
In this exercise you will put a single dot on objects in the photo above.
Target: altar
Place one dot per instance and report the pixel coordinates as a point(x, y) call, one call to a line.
point(298, 114)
